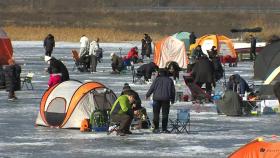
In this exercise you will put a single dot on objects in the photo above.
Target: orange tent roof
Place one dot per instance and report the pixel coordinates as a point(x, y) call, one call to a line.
point(223, 44)
point(258, 149)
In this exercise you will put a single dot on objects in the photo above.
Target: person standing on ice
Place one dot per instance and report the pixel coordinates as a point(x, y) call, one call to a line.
point(49, 44)
point(93, 48)
point(148, 40)
point(12, 77)
point(163, 91)
point(253, 47)
point(84, 50)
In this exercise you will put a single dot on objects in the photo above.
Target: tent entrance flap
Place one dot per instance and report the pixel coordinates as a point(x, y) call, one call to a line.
point(56, 112)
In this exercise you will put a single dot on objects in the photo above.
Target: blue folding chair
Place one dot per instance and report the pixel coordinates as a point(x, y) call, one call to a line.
point(182, 123)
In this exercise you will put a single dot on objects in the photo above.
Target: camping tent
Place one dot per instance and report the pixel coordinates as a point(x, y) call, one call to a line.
point(185, 37)
point(170, 49)
point(258, 148)
point(65, 105)
point(6, 50)
point(223, 44)
point(267, 61)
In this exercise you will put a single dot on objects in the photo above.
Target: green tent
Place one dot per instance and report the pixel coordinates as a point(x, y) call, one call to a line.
point(185, 37)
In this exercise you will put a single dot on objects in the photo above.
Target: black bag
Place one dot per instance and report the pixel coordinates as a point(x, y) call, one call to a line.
point(99, 53)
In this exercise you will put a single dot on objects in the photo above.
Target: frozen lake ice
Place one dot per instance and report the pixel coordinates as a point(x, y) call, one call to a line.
point(212, 135)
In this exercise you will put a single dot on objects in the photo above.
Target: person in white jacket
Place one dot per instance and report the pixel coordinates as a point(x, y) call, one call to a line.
point(93, 48)
point(84, 46)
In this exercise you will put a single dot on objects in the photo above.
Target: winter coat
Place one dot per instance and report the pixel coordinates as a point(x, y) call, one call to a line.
point(238, 85)
point(162, 88)
point(93, 47)
point(196, 54)
point(12, 77)
point(136, 97)
point(218, 68)
point(192, 38)
point(147, 69)
point(149, 45)
point(56, 66)
point(144, 47)
point(49, 43)
point(132, 54)
point(117, 61)
point(54, 79)
point(203, 71)
point(121, 106)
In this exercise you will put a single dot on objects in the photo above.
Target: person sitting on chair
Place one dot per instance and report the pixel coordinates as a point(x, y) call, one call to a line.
point(237, 84)
point(122, 113)
point(146, 70)
point(117, 63)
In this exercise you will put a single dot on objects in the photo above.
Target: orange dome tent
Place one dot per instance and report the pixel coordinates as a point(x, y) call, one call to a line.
point(170, 49)
point(6, 50)
point(223, 44)
point(258, 148)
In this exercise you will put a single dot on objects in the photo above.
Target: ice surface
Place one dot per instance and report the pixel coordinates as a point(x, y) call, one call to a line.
point(212, 135)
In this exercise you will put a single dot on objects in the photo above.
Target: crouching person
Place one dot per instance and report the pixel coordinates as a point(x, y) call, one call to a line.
point(117, 63)
point(122, 113)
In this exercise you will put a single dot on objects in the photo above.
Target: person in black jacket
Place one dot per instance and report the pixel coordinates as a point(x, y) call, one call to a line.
point(56, 66)
point(192, 38)
point(163, 91)
point(203, 72)
point(253, 47)
point(12, 77)
point(49, 44)
point(237, 84)
point(146, 70)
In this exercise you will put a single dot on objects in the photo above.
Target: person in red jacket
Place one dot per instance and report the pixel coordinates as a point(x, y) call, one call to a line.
point(132, 55)
point(54, 79)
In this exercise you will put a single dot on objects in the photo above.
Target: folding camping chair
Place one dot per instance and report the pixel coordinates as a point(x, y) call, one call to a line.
point(137, 77)
point(182, 123)
point(27, 80)
point(78, 64)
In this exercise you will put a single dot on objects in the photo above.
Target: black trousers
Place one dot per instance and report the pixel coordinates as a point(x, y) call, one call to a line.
point(93, 63)
point(157, 105)
point(124, 120)
point(48, 53)
point(253, 53)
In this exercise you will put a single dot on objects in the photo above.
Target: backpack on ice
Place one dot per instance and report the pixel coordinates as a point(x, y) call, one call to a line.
point(99, 120)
